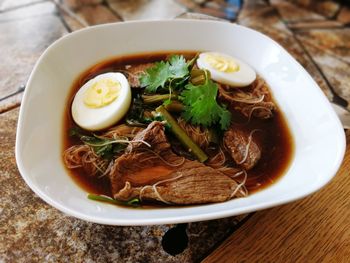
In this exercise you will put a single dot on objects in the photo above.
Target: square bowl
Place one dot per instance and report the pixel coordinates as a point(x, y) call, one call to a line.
point(318, 135)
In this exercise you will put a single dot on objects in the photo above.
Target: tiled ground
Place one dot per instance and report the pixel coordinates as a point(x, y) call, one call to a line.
point(315, 32)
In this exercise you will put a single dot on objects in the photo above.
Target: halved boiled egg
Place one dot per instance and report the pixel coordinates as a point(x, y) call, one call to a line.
point(102, 101)
point(226, 69)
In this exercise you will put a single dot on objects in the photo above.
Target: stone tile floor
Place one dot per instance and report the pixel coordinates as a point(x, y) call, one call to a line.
point(315, 32)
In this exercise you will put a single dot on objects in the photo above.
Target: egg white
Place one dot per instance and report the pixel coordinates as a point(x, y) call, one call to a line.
point(241, 78)
point(94, 119)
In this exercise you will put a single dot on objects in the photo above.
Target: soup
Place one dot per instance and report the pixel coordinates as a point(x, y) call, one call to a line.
point(174, 129)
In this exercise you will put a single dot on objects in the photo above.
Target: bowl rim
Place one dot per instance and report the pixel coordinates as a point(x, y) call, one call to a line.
point(172, 219)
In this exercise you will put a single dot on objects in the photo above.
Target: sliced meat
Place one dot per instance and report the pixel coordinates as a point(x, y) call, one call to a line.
point(242, 147)
point(193, 183)
point(157, 174)
point(135, 164)
point(254, 100)
point(135, 71)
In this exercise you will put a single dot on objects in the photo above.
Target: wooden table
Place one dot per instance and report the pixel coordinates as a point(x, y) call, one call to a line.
point(315, 229)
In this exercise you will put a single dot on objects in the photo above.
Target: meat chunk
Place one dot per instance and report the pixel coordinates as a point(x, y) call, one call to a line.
point(135, 71)
point(135, 165)
point(242, 147)
point(157, 174)
point(254, 100)
point(192, 183)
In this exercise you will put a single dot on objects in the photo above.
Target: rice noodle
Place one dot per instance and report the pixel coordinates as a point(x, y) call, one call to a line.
point(122, 130)
point(197, 133)
point(255, 100)
point(119, 141)
point(242, 97)
point(252, 101)
point(218, 160)
point(259, 83)
point(142, 190)
point(241, 186)
point(73, 155)
point(230, 171)
point(254, 108)
point(109, 168)
point(82, 156)
point(238, 174)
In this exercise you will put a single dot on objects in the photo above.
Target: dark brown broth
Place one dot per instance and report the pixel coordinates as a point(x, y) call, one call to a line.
point(275, 138)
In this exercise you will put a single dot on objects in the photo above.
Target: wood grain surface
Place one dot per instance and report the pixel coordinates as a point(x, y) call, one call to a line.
point(314, 229)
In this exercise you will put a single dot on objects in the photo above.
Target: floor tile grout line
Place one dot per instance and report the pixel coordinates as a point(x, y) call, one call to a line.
point(319, 47)
point(293, 31)
point(330, 86)
point(63, 21)
point(64, 8)
point(114, 12)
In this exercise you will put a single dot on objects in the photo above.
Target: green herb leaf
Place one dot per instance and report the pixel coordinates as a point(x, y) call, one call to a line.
point(172, 73)
point(225, 118)
point(155, 76)
point(75, 132)
point(202, 107)
point(178, 66)
point(132, 202)
point(167, 102)
point(135, 116)
point(104, 147)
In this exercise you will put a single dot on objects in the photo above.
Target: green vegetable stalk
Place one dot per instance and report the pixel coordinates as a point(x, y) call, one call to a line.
point(182, 136)
point(151, 99)
point(199, 76)
point(174, 106)
point(133, 202)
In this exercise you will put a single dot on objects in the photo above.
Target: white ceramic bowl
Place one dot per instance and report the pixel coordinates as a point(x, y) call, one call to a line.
point(318, 134)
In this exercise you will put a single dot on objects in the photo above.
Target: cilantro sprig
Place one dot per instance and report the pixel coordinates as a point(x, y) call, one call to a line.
point(201, 107)
point(199, 97)
point(165, 74)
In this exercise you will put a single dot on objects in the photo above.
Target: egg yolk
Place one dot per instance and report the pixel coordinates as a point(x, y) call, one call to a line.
point(221, 63)
point(102, 93)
